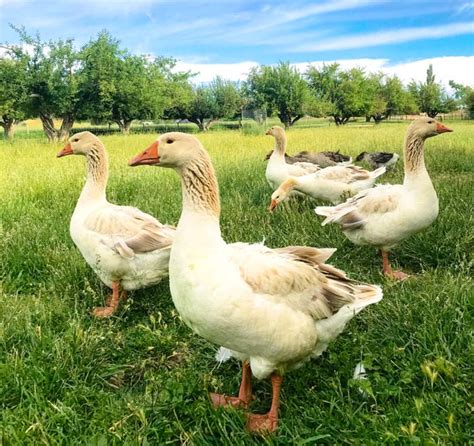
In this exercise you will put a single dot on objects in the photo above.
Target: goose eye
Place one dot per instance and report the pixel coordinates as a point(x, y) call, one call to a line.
point(170, 141)
point(430, 122)
point(75, 140)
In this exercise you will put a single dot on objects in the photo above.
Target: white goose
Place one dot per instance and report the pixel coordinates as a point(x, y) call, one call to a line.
point(278, 170)
point(126, 248)
point(273, 308)
point(388, 214)
point(331, 184)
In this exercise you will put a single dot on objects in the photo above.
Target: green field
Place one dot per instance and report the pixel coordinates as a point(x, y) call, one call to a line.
point(143, 377)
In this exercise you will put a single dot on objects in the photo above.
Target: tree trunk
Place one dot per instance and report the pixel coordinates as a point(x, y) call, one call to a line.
point(378, 118)
point(285, 120)
point(53, 134)
point(296, 118)
point(368, 118)
point(124, 125)
point(65, 129)
point(199, 122)
point(432, 113)
point(337, 120)
point(8, 125)
point(208, 124)
point(48, 127)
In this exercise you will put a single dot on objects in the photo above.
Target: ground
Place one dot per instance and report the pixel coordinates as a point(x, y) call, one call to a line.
point(142, 377)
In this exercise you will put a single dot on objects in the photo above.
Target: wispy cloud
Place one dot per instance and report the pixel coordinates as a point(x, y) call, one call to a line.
point(390, 37)
point(277, 16)
point(465, 7)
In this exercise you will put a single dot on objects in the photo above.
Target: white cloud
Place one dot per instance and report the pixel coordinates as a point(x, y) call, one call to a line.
point(457, 68)
point(395, 36)
point(207, 71)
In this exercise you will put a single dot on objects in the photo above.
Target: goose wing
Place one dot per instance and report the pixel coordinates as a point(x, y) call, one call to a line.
point(129, 230)
point(356, 211)
point(298, 277)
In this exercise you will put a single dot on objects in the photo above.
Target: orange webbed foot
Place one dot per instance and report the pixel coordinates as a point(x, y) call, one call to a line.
point(103, 312)
point(262, 424)
point(220, 400)
point(397, 275)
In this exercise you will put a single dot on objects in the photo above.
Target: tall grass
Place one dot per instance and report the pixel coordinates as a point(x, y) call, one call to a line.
point(143, 377)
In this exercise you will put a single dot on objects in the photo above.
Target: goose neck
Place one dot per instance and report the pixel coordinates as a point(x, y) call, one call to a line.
point(280, 145)
point(414, 160)
point(97, 174)
point(200, 188)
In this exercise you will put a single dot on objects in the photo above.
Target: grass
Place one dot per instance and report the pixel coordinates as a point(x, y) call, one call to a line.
point(142, 377)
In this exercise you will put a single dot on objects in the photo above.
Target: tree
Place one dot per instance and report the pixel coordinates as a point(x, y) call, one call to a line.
point(470, 104)
point(13, 93)
point(343, 94)
point(203, 105)
point(53, 78)
point(202, 109)
point(430, 96)
point(280, 89)
point(120, 87)
point(228, 98)
point(388, 97)
point(463, 95)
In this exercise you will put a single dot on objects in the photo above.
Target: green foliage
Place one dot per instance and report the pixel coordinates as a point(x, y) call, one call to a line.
point(205, 104)
point(13, 92)
point(53, 79)
point(430, 96)
point(344, 94)
point(120, 87)
point(279, 89)
point(99, 59)
point(142, 377)
point(470, 104)
point(388, 97)
point(463, 94)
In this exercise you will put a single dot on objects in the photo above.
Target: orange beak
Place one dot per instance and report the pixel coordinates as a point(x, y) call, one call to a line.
point(149, 156)
point(441, 128)
point(273, 205)
point(67, 150)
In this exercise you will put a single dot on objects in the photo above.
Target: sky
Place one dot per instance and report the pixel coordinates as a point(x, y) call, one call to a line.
point(229, 37)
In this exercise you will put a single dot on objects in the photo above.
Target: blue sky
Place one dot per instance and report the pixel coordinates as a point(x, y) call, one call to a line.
point(226, 37)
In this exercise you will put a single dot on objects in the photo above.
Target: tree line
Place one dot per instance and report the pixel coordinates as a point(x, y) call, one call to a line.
point(104, 83)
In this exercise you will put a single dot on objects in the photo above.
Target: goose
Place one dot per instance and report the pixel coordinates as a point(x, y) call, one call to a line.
point(322, 159)
point(386, 215)
point(331, 184)
point(125, 247)
point(277, 168)
point(288, 158)
point(325, 159)
point(379, 159)
point(272, 308)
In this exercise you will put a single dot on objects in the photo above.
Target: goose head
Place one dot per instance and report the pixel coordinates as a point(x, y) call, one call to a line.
point(276, 131)
point(173, 149)
point(81, 143)
point(361, 156)
point(427, 127)
point(282, 193)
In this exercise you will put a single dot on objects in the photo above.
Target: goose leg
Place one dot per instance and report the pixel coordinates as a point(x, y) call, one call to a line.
point(387, 269)
point(112, 303)
point(268, 422)
point(245, 391)
point(123, 297)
